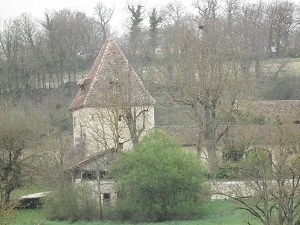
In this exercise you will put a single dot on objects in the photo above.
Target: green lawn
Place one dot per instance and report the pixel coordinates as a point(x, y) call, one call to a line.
point(215, 212)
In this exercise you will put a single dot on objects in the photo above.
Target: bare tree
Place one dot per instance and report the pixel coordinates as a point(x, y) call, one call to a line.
point(270, 174)
point(49, 161)
point(281, 18)
point(104, 16)
point(17, 134)
point(254, 40)
point(205, 75)
point(10, 43)
point(173, 13)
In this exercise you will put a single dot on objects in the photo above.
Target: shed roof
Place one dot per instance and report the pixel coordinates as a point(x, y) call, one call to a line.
point(108, 152)
point(246, 134)
point(111, 81)
point(286, 110)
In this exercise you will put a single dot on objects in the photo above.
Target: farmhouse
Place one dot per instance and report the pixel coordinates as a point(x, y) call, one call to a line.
point(113, 110)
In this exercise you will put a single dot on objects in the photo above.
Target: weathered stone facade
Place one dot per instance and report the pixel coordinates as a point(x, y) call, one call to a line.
point(99, 129)
point(112, 109)
point(111, 112)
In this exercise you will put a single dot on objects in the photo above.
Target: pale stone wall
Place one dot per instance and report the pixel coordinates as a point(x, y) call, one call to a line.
point(106, 187)
point(97, 128)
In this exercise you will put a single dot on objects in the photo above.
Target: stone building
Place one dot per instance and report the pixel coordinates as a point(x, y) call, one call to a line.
point(112, 109)
point(111, 112)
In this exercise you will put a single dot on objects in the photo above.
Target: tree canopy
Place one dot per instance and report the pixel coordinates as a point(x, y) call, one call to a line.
point(159, 181)
point(18, 133)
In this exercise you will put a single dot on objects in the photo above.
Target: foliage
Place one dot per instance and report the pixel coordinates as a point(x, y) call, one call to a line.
point(50, 158)
point(248, 118)
point(71, 203)
point(257, 164)
point(214, 212)
point(159, 181)
point(228, 170)
point(19, 131)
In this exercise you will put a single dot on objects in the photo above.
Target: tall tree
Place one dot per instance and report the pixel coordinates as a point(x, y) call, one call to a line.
point(18, 131)
point(281, 18)
point(135, 26)
point(10, 45)
point(253, 29)
point(104, 16)
point(155, 21)
point(205, 75)
point(270, 172)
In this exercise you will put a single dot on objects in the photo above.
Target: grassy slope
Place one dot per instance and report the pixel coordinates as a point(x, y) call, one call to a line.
point(216, 212)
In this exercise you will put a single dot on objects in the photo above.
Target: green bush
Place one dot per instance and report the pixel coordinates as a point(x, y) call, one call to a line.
point(72, 203)
point(228, 170)
point(159, 181)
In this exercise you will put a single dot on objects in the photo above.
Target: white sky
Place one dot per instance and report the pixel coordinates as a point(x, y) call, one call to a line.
point(14, 8)
point(37, 8)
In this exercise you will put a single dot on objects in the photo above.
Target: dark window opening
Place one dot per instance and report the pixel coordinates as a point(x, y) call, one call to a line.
point(106, 199)
point(121, 145)
point(102, 174)
point(89, 175)
point(114, 85)
point(120, 118)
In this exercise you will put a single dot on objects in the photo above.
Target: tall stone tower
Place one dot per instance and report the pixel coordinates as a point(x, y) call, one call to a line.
point(112, 109)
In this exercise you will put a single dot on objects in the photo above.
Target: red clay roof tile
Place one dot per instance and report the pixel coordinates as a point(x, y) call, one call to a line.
point(111, 81)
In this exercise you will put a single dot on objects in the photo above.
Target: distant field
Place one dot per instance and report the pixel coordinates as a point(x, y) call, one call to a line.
point(216, 212)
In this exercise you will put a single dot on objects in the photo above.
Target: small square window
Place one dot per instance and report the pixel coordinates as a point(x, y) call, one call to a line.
point(106, 195)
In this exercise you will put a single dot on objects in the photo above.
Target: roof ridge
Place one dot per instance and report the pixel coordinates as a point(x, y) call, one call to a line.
point(98, 89)
point(98, 65)
point(91, 157)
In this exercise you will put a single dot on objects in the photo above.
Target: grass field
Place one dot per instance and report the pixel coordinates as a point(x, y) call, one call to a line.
point(216, 212)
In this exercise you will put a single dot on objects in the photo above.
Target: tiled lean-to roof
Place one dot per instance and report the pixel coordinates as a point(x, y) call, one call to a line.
point(110, 82)
point(266, 135)
point(285, 110)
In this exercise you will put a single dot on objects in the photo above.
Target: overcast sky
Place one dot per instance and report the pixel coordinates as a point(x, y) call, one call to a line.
point(13, 8)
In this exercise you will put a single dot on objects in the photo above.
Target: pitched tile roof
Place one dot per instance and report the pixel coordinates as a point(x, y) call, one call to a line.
point(110, 152)
point(246, 134)
point(185, 136)
point(286, 110)
point(111, 81)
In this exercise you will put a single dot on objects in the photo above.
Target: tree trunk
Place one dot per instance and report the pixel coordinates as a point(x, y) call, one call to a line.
point(210, 134)
point(5, 198)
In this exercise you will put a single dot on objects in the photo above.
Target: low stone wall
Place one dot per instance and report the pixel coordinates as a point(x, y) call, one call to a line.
point(227, 189)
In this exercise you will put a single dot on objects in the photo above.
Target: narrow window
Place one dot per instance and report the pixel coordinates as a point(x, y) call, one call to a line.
point(106, 199)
